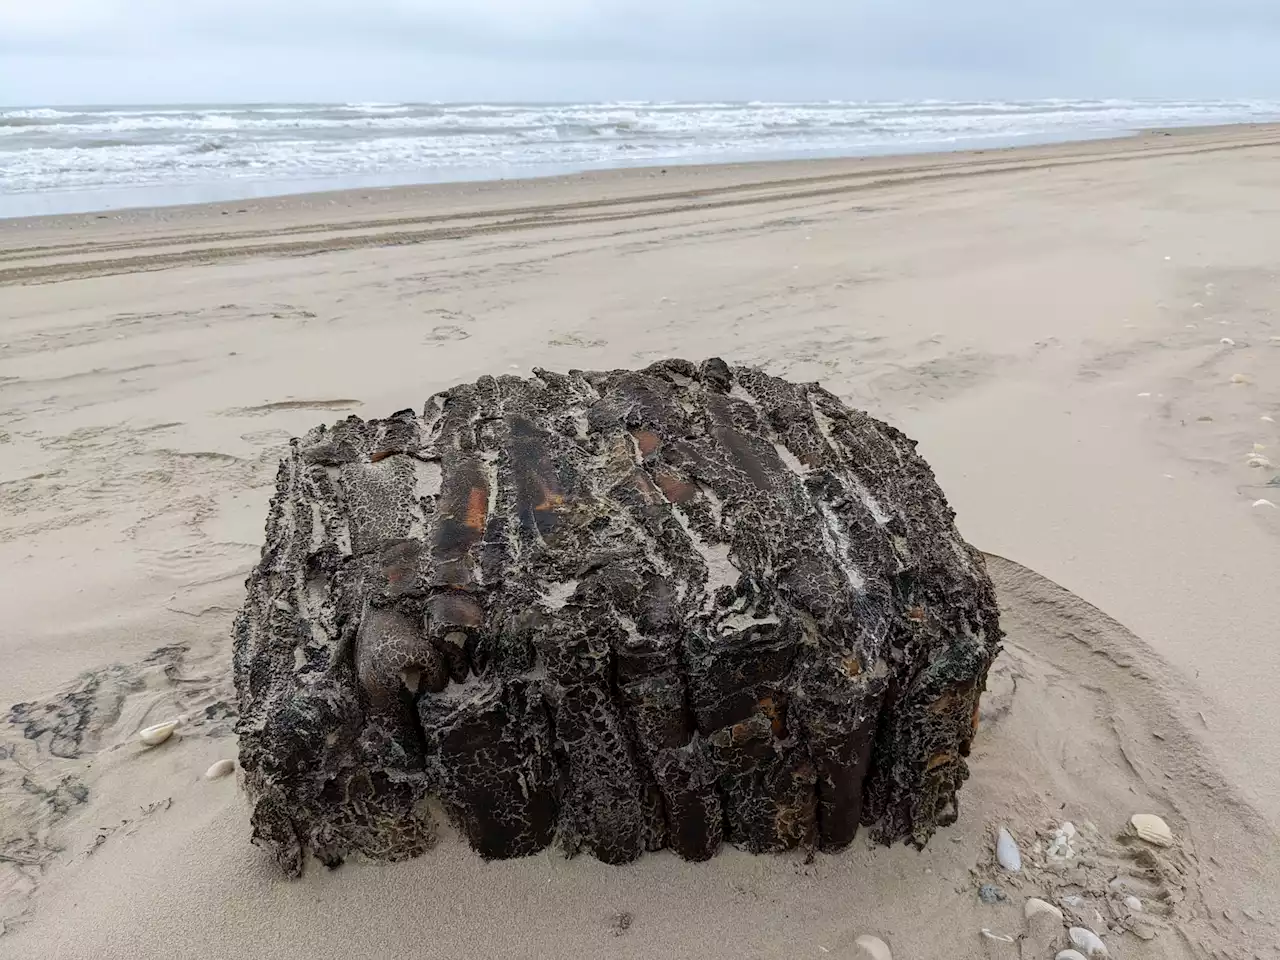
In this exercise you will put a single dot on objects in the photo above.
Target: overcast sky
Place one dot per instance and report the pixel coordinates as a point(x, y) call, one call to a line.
point(117, 51)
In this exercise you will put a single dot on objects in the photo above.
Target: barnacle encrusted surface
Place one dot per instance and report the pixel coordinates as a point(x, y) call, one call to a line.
point(618, 611)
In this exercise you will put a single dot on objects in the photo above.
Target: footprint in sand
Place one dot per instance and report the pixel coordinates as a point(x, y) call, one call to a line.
point(573, 340)
point(445, 333)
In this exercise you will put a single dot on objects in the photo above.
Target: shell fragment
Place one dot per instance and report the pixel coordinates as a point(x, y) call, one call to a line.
point(1007, 854)
point(220, 769)
point(1087, 942)
point(157, 733)
point(1152, 829)
point(1035, 906)
point(872, 948)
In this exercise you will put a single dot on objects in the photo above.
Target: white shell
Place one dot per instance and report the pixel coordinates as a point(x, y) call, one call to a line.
point(1257, 460)
point(1263, 503)
point(1070, 955)
point(996, 936)
point(1133, 903)
point(1152, 829)
point(872, 948)
point(1035, 906)
point(1068, 829)
point(1087, 942)
point(1228, 341)
point(220, 769)
point(158, 733)
point(1007, 854)
point(1241, 378)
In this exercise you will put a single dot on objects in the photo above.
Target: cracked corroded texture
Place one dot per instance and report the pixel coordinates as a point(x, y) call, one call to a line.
point(617, 611)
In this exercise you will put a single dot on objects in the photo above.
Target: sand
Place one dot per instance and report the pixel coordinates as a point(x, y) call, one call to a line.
point(1083, 338)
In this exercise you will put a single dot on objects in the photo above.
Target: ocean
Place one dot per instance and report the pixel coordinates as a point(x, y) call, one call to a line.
point(76, 159)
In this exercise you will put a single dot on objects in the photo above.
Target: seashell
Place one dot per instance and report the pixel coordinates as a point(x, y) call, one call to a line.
point(1259, 447)
point(1044, 929)
point(1035, 906)
point(157, 733)
point(1133, 903)
point(1257, 460)
point(1266, 419)
point(220, 769)
point(1241, 378)
point(1070, 955)
point(1263, 503)
point(1007, 854)
point(1087, 942)
point(1068, 829)
point(1228, 341)
point(996, 936)
point(1151, 829)
point(872, 948)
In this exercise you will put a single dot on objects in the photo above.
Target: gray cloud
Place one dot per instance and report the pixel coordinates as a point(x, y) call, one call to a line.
point(159, 50)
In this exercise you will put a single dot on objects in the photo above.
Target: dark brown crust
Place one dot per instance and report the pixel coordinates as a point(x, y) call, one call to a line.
point(619, 611)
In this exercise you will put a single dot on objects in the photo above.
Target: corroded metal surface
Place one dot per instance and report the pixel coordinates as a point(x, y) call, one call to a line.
point(617, 611)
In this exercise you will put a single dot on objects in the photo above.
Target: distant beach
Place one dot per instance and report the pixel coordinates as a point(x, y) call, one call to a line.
point(72, 159)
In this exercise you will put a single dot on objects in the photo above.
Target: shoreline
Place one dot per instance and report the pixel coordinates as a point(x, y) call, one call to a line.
point(231, 192)
point(523, 175)
point(39, 249)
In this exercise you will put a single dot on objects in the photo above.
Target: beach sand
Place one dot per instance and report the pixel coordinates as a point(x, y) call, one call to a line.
point(1084, 338)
